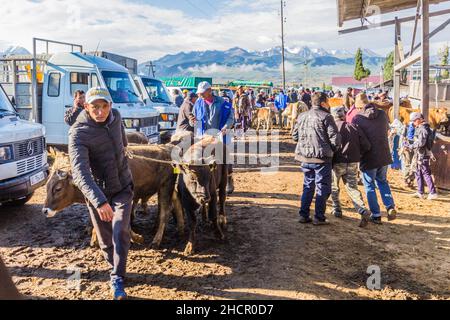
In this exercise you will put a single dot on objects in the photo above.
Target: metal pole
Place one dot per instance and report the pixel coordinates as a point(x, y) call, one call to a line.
point(34, 84)
point(397, 74)
point(425, 91)
point(282, 45)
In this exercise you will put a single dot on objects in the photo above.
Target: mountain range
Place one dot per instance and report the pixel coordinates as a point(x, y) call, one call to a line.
point(310, 66)
point(302, 64)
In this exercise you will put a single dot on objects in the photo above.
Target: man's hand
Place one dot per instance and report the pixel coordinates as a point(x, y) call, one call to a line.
point(106, 213)
point(192, 119)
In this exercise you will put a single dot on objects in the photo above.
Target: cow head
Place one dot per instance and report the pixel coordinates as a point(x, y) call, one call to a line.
point(61, 192)
point(440, 115)
point(198, 179)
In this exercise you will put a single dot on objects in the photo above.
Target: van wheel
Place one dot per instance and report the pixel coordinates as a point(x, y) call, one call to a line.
point(19, 202)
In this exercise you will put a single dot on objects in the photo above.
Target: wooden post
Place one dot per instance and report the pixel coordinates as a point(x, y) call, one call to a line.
point(425, 76)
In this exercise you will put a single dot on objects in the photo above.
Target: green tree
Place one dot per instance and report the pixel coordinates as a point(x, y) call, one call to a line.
point(360, 71)
point(443, 53)
point(388, 73)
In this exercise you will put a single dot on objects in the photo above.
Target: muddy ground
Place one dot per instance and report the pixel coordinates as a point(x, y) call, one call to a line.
point(267, 254)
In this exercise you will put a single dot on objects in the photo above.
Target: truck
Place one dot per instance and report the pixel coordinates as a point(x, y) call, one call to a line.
point(23, 155)
point(151, 90)
point(43, 93)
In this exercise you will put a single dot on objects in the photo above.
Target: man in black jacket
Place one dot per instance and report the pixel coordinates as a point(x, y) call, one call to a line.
point(346, 165)
point(100, 170)
point(318, 139)
point(375, 162)
point(71, 115)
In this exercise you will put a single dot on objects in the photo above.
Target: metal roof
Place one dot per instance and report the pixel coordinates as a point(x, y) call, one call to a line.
point(82, 60)
point(354, 9)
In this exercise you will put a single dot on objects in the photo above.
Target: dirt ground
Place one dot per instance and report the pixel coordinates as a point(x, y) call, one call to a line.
point(267, 254)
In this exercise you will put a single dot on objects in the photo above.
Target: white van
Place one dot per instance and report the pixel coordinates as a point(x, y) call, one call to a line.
point(155, 94)
point(64, 73)
point(23, 155)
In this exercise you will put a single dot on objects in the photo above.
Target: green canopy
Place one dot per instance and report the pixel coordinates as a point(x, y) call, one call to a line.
point(184, 82)
point(250, 83)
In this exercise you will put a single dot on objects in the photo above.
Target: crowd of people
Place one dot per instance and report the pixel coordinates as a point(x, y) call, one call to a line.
point(351, 140)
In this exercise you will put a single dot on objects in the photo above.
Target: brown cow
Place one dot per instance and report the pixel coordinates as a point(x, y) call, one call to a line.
point(297, 108)
point(435, 116)
point(264, 118)
point(8, 290)
point(202, 182)
point(137, 138)
point(149, 177)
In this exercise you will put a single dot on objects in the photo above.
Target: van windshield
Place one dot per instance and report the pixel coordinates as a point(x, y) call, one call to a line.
point(5, 104)
point(120, 87)
point(156, 90)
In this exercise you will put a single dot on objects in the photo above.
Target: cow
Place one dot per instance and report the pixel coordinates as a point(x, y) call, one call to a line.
point(436, 116)
point(135, 138)
point(292, 116)
point(386, 105)
point(150, 177)
point(263, 118)
point(8, 290)
point(202, 182)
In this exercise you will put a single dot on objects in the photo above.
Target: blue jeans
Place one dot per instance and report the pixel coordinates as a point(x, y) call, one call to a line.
point(373, 179)
point(317, 180)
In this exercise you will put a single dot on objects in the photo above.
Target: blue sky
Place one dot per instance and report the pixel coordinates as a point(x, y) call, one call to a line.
point(149, 29)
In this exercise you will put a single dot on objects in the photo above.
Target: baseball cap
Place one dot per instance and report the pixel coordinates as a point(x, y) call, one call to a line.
point(203, 87)
point(338, 112)
point(98, 93)
point(415, 116)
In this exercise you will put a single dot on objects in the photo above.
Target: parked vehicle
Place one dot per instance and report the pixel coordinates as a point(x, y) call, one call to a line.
point(152, 91)
point(23, 155)
point(59, 76)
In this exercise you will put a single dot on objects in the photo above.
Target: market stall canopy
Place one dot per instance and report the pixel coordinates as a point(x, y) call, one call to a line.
point(355, 9)
point(244, 83)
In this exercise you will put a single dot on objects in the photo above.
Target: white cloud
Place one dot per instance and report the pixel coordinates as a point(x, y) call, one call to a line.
point(145, 31)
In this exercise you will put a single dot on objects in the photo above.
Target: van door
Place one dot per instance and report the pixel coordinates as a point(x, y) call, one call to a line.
point(53, 97)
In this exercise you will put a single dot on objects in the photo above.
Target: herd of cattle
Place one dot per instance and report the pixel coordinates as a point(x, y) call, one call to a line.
point(182, 187)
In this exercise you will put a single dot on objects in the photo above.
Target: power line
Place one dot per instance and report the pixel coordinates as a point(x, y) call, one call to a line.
point(197, 7)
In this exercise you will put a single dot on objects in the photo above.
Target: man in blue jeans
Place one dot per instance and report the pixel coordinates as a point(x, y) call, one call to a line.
point(375, 162)
point(318, 139)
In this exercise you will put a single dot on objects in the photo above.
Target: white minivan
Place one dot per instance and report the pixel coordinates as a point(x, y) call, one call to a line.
point(67, 72)
point(155, 94)
point(23, 155)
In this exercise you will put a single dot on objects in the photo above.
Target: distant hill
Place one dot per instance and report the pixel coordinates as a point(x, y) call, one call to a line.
point(302, 64)
point(14, 51)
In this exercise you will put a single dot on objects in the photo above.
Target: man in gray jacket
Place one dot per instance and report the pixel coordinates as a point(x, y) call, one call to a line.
point(100, 170)
point(318, 139)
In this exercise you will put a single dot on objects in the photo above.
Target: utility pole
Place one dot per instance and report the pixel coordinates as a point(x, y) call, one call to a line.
point(151, 69)
point(283, 4)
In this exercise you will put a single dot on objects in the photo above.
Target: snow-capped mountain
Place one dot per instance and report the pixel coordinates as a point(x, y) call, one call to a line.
point(15, 50)
point(246, 63)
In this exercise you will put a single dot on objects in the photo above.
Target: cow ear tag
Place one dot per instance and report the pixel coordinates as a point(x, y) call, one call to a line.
point(176, 170)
